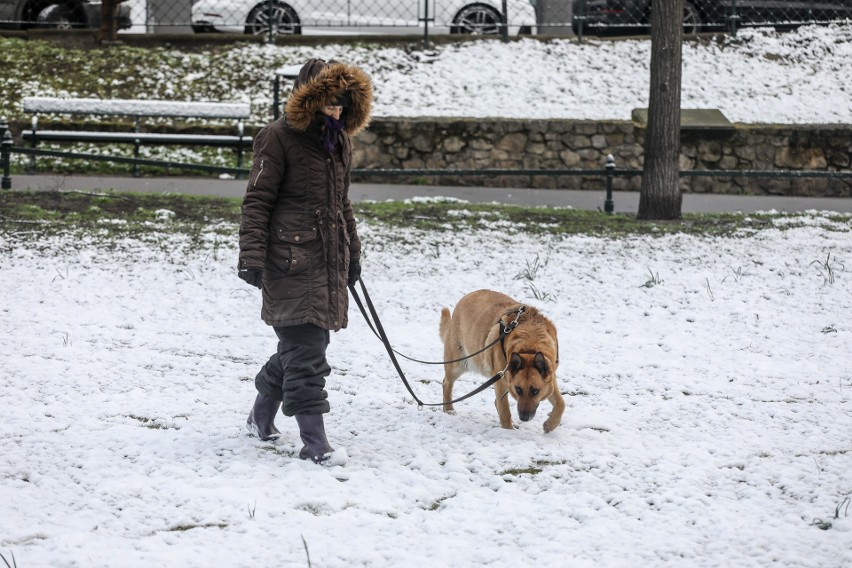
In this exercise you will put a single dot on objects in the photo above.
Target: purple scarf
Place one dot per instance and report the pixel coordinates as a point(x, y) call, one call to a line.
point(329, 135)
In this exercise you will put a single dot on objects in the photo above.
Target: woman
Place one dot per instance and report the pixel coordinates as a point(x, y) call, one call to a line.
point(299, 243)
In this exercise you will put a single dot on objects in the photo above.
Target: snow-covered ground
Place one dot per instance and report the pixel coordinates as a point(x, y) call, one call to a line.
point(708, 384)
point(708, 380)
point(759, 76)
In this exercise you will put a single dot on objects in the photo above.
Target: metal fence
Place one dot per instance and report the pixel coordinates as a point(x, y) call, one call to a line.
point(509, 18)
point(634, 16)
point(608, 172)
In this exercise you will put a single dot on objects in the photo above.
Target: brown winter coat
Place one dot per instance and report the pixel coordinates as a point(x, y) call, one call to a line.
point(297, 221)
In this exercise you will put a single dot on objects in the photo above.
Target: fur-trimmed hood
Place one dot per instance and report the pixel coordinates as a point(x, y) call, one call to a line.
point(325, 85)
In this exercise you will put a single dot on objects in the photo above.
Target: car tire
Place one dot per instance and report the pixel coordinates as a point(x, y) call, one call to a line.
point(691, 19)
point(283, 19)
point(477, 19)
point(56, 16)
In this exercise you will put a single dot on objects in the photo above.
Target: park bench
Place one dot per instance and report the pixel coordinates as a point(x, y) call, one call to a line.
point(137, 110)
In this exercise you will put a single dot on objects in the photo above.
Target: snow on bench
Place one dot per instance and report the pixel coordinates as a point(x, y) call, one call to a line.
point(137, 107)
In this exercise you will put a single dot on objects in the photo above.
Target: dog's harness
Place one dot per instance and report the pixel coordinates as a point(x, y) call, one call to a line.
point(505, 329)
point(379, 332)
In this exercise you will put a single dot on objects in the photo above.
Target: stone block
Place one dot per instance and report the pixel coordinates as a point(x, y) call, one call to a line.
point(480, 144)
point(453, 144)
point(423, 143)
point(801, 159)
point(709, 151)
point(368, 137)
point(512, 143)
point(729, 163)
point(535, 148)
point(570, 158)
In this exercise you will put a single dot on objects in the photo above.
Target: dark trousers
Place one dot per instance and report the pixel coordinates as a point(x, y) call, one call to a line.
point(296, 373)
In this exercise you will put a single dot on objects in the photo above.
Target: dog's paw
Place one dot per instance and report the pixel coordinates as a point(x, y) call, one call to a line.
point(550, 425)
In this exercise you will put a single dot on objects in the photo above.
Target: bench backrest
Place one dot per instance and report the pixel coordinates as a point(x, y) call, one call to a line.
point(132, 107)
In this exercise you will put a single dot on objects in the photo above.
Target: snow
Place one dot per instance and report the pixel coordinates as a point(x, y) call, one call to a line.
point(135, 107)
point(707, 379)
point(759, 76)
point(708, 386)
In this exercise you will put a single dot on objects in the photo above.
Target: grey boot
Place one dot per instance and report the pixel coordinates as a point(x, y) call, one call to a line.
point(261, 419)
point(312, 432)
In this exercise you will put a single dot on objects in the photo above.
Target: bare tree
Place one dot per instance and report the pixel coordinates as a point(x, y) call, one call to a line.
point(660, 197)
point(108, 30)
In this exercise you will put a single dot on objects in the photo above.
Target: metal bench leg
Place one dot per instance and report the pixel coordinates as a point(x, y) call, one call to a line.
point(5, 155)
point(239, 160)
point(136, 145)
point(32, 168)
point(240, 131)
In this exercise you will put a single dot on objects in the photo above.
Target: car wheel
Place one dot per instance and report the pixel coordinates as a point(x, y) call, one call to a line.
point(56, 16)
point(478, 20)
point(691, 19)
point(281, 17)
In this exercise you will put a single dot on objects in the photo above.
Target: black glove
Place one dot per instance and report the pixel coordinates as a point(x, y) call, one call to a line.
point(253, 276)
point(354, 273)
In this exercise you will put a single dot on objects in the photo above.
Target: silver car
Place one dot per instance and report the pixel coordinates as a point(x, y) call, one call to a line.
point(361, 16)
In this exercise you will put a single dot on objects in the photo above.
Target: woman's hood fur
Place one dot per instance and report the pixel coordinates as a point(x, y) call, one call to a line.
point(332, 80)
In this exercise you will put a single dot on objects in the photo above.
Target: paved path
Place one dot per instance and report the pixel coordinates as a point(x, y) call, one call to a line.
point(625, 202)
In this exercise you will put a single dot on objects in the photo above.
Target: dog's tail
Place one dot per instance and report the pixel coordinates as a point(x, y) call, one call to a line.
point(444, 329)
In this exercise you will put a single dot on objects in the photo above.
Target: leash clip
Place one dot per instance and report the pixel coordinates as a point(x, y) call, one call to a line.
point(514, 323)
point(502, 373)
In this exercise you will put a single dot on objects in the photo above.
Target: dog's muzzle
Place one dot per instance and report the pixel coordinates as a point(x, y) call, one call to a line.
point(526, 416)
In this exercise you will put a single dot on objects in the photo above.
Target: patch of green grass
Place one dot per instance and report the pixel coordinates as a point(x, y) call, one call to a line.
point(522, 470)
point(183, 528)
point(123, 71)
point(153, 423)
point(534, 469)
point(548, 220)
point(108, 215)
point(112, 214)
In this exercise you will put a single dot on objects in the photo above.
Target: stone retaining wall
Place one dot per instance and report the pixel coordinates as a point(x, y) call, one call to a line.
point(557, 144)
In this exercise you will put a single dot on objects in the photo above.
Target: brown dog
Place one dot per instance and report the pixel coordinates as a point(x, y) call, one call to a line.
point(529, 354)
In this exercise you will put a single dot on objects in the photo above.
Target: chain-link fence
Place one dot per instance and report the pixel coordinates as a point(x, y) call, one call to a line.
point(634, 16)
point(509, 18)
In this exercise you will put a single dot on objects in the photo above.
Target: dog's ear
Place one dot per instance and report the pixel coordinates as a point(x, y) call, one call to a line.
point(540, 364)
point(515, 363)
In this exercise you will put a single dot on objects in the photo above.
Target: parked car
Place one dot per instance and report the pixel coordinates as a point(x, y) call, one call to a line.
point(625, 16)
point(65, 14)
point(361, 16)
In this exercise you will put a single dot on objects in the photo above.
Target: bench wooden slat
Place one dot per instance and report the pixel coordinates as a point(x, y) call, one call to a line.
point(134, 107)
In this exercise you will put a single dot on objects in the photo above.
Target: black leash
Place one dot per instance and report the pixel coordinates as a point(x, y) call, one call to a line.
point(379, 331)
point(403, 355)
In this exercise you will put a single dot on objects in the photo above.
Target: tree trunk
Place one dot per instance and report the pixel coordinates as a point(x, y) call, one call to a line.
point(108, 30)
point(660, 197)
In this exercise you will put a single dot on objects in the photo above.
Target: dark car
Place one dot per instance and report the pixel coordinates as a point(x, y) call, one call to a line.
point(67, 14)
point(634, 16)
